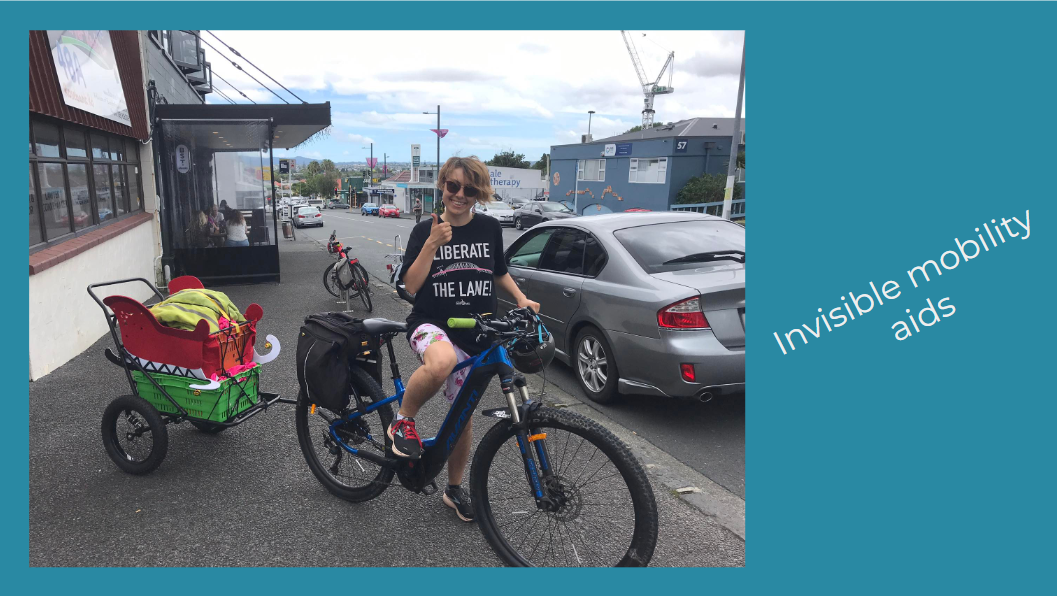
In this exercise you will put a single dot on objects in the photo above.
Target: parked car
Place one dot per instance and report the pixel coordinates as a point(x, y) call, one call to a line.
point(513, 201)
point(535, 212)
point(643, 303)
point(369, 209)
point(389, 211)
point(499, 210)
point(308, 215)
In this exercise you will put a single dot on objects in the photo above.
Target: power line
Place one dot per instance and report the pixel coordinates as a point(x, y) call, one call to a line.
point(224, 96)
point(236, 52)
point(236, 65)
point(232, 86)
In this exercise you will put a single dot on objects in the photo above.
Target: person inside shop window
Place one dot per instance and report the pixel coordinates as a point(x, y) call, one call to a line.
point(198, 232)
point(236, 230)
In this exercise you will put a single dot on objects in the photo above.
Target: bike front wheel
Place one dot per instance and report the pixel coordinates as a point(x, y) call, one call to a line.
point(599, 508)
point(330, 280)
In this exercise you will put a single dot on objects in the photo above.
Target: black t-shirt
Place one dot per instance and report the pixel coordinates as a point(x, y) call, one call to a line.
point(461, 280)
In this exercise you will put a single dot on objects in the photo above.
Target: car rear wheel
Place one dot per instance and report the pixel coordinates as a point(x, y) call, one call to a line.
point(517, 223)
point(595, 366)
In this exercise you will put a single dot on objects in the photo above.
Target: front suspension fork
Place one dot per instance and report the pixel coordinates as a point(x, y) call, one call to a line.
point(531, 444)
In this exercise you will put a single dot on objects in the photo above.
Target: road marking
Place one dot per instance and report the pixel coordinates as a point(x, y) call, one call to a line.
point(389, 245)
point(380, 242)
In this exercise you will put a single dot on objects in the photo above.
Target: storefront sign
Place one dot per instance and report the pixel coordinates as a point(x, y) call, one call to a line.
point(516, 178)
point(623, 149)
point(611, 150)
point(183, 159)
point(88, 75)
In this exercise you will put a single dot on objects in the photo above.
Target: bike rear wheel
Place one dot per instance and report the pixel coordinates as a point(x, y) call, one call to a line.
point(604, 514)
point(340, 472)
point(363, 284)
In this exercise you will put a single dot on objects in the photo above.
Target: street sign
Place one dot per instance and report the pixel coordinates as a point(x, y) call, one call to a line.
point(284, 166)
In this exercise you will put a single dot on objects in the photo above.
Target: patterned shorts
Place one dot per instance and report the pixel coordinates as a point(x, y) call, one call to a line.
point(426, 335)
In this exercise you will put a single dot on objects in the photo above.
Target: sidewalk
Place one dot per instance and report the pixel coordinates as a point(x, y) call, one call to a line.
point(245, 497)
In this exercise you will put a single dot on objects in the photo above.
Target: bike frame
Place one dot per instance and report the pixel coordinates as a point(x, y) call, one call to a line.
point(490, 363)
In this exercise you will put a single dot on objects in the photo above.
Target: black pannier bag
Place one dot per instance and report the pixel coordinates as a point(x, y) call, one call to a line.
point(328, 344)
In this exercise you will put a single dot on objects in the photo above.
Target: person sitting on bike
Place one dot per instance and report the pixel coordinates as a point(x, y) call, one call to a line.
point(453, 266)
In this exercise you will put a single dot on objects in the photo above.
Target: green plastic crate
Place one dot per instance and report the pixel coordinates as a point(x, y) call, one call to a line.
point(218, 405)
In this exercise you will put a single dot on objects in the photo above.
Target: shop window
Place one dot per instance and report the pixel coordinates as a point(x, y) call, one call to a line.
point(76, 145)
point(100, 147)
point(648, 171)
point(80, 195)
point(79, 178)
point(55, 211)
point(103, 194)
point(120, 189)
point(185, 47)
point(35, 237)
point(47, 139)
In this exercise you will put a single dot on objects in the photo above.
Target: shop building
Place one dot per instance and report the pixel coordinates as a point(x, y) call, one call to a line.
point(644, 169)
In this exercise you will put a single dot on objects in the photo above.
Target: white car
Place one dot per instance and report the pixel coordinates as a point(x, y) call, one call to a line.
point(499, 210)
point(308, 216)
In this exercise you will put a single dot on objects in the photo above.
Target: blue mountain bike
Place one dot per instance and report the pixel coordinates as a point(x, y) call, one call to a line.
point(549, 487)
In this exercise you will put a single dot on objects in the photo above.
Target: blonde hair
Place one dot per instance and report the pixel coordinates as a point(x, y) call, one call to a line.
point(475, 172)
point(202, 219)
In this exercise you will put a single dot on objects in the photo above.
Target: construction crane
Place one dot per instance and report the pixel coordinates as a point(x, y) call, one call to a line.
point(649, 89)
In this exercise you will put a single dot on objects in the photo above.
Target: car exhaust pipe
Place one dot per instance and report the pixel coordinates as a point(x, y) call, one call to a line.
point(704, 397)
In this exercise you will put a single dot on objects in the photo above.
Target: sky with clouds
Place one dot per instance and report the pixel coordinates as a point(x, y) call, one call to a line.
point(498, 90)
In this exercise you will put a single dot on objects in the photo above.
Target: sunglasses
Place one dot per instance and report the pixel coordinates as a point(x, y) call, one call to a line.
point(467, 191)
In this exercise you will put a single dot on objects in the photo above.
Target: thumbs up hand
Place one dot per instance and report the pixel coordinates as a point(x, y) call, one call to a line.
point(439, 233)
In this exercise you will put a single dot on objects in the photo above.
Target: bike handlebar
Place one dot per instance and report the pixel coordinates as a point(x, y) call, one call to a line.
point(454, 323)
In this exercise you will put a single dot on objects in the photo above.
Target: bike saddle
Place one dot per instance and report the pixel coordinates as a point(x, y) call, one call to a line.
point(380, 326)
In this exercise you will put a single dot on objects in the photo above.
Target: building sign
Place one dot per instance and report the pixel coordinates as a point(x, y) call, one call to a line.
point(610, 151)
point(681, 144)
point(284, 166)
point(183, 159)
point(515, 178)
point(416, 160)
point(623, 149)
point(88, 75)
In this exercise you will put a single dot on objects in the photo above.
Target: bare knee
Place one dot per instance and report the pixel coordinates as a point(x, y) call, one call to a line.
point(439, 360)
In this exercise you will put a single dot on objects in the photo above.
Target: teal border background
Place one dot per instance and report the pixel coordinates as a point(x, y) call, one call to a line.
point(880, 132)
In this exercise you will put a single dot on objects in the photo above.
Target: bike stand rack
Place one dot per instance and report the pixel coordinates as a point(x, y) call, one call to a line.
point(346, 300)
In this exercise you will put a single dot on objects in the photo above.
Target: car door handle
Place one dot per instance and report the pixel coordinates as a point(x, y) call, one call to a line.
point(568, 292)
point(520, 280)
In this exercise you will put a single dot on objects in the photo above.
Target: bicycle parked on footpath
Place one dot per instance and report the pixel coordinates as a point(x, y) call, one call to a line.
point(346, 278)
point(549, 487)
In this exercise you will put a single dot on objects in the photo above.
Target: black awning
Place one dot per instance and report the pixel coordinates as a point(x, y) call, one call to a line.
point(294, 123)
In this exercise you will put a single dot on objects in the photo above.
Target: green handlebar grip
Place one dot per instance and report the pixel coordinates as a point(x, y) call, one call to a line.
point(454, 323)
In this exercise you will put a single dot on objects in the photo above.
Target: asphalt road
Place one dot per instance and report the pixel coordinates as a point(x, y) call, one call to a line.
point(245, 497)
point(709, 438)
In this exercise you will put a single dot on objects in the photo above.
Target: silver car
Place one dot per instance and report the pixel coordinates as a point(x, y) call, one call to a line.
point(499, 210)
point(643, 303)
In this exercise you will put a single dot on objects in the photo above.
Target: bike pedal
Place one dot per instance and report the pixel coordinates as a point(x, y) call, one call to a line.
point(430, 489)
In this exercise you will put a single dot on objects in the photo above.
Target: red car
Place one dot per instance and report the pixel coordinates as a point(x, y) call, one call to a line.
point(389, 211)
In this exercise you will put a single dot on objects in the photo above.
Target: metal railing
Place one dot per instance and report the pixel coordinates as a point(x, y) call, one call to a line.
point(737, 208)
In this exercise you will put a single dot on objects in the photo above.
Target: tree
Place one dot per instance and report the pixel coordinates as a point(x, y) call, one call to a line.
point(328, 166)
point(312, 169)
point(541, 164)
point(508, 159)
point(706, 188)
point(741, 159)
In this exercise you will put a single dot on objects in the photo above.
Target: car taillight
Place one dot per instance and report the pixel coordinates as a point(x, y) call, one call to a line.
point(319, 215)
point(300, 216)
point(685, 314)
point(688, 372)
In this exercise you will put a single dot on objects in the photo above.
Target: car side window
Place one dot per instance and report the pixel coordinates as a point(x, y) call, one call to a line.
point(565, 252)
point(594, 257)
point(527, 250)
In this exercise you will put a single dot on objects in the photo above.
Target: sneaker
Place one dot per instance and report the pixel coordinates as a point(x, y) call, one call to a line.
point(405, 440)
point(457, 499)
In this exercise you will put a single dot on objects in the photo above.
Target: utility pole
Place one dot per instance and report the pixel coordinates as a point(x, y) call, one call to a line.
point(589, 114)
point(436, 192)
point(735, 141)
